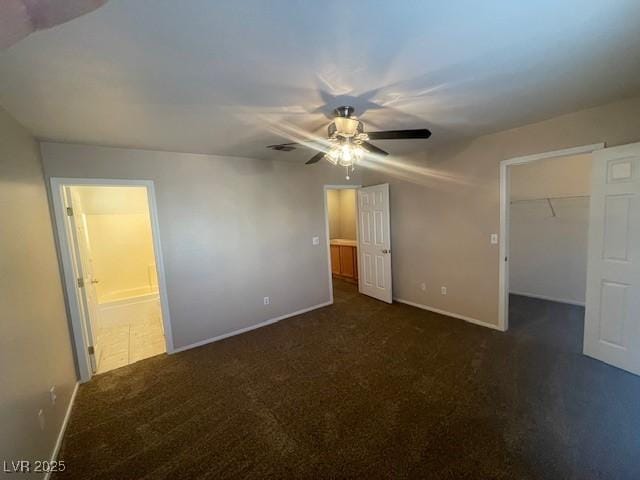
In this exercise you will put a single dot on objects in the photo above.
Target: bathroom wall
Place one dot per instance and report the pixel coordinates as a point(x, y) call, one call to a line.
point(341, 205)
point(120, 237)
point(348, 214)
point(333, 209)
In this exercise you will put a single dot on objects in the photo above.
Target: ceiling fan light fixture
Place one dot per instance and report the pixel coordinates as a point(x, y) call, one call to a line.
point(345, 154)
point(347, 142)
point(333, 155)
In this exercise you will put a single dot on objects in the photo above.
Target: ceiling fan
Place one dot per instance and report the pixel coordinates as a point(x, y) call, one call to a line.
point(348, 142)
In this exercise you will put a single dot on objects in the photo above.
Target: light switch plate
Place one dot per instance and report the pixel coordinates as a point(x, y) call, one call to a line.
point(315, 240)
point(494, 239)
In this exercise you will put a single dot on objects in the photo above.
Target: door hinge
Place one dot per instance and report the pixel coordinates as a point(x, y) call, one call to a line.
point(92, 350)
point(80, 282)
point(70, 211)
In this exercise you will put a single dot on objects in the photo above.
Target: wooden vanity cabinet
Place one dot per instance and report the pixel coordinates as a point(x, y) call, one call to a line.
point(344, 261)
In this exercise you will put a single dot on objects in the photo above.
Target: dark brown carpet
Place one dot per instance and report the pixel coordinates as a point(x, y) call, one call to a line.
point(362, 389)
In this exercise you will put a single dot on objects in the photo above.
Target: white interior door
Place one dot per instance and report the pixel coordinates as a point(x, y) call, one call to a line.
point(374, 242)
point(90, 281)
point(84, 274)
point(612, 321)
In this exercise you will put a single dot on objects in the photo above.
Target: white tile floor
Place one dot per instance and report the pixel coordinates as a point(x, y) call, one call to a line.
point(131, 340)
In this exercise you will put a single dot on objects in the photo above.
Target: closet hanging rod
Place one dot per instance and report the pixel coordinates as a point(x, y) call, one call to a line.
point(549, 198)
point(553, 211)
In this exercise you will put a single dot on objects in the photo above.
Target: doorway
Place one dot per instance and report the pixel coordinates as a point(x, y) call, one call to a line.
point(542, 212)
point(548, 242)
point(113, 272)
point(612, 308)
point(549, 228)
point(343, 234)
point(364, 257)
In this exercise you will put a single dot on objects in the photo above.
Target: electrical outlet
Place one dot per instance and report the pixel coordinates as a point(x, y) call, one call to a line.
point(423, 287)
point(494, 239)
point(41, 419)
point(443, 290)
point(52, 395)
point(267, 300)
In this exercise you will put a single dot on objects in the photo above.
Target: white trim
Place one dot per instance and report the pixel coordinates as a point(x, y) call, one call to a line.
point(503, 260)
point(565, 152)
point(550, 299)
point(63, 428)
point(57, 186)
point(252, 327)
point(325, 189)
point(475, 321)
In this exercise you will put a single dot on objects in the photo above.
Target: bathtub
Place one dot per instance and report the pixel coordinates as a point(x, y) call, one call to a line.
point(128, 306)
point(126, 295)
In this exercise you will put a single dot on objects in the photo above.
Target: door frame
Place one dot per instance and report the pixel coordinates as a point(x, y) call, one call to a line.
point(503, 259)
point(327, 235)
point(68, 265)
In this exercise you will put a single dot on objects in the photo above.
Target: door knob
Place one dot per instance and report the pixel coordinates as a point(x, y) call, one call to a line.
point(93, 280)
point(386, 251)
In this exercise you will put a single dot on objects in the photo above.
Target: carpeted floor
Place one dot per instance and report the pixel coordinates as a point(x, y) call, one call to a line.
point(363, 389)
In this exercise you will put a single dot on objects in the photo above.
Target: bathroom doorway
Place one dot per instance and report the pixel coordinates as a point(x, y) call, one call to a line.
point(109, 235)
point(342, 227)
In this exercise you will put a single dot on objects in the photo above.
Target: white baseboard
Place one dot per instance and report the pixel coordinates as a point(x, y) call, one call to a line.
point(63, 428)
point(475, 321)
point(551, 299)
point(252, 327)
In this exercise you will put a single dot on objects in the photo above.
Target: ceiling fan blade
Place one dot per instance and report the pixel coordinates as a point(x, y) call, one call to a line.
point(399, 134)
point(373, 149)
point(282, 144)
point(316, 158)
point(286, 147)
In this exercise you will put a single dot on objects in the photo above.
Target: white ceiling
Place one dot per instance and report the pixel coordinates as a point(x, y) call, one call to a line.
point(230, 77)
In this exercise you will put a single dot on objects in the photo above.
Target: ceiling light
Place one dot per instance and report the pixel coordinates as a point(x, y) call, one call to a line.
point(346, 155)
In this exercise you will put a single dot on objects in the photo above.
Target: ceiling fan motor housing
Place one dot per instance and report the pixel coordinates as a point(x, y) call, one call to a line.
point(345, 127)
point(344, 111)
point(345, 124)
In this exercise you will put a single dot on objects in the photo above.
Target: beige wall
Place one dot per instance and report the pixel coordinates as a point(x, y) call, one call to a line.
point(348, 214)
point(445, 205)
point(333, 210)
point(121, 243)
point(35, 347)
point(552, 177)
point(548, 254)
point(122, 249)
point(341, 205)
point(233, 230)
